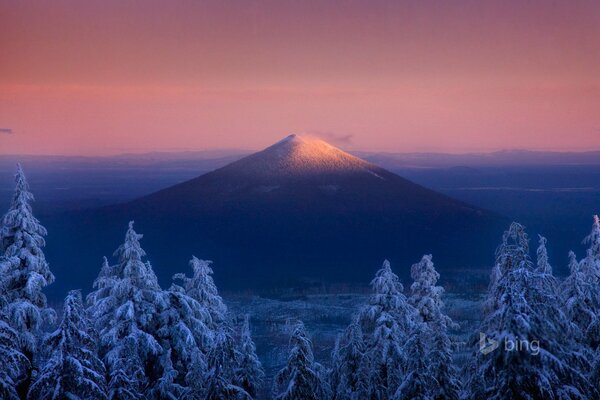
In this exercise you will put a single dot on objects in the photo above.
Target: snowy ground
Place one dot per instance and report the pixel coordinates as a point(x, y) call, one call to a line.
point(327, 315)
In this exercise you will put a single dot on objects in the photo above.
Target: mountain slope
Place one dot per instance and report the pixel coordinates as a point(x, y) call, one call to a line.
point(298, 211)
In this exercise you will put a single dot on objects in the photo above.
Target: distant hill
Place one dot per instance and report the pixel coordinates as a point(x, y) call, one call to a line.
point(298, 212)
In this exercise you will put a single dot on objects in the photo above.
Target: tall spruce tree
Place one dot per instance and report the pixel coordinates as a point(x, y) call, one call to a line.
point(201, 287)
point(249, 374)
point(15, 365)
point(543, 265)
point(426, 297)
point(578, 296)
point(301, 378)
point(24, 272)
point(536, 357)
point(418, 383)
point(219, 348)
point(183, 332)
point(126, 306)
point(73, 369)
point(386, 322)
point(350, 366)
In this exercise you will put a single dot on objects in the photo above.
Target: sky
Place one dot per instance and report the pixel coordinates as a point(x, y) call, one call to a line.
point(114, 76)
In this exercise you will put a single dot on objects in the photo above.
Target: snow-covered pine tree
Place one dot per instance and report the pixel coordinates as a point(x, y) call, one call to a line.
point(426, 297)
point(441, 364)
point(418, 384)
point(184, 333)
point(386, 322)
point(15, 365)
point(223, 358)
point(126, 306)
point(594, 238)
point(24, 272)
point(334, 373)
point(301, 378)
point(73, 369)
point(201, 287)
point(249, 374)
point(216, 341)
point(522, 309)
point(166, 388)
point(543, 266)
point(221, 388)
point(350, 366)
point(590, 269)
point(578, 296)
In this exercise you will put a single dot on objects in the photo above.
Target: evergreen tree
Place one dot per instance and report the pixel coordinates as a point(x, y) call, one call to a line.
point(580, 303)
point(427, 299)
point(15, 365)
point(249, 373)
point(223, 358)
point(196, 378)
point(24, 272)
point(73, 369)
point(201, 287)
point(594, 238)
point(350, 366)
point(166, 388)
point(216, 339)
point(425, 296)
point(386, 322)
point(301, 378)
point(184, 333)
point(522, 309)
point(543, 266)
point(126, 306)
point(221, 388)
point(418, 384)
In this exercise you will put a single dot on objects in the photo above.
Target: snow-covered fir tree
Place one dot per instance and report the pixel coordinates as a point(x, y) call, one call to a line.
point(126, 306)
point(183, 333)
point(426, 297)
point(221, 388)
point(350, 366)
point(594, 238)
point(223, 358)
point(73, 369)
point(578, 296)
point(386, 323)
point(15, 365)
point(301, 378)
point(249, 374)
point(214, 335)
point(581, 291)
point(543, 265)
point(201, 287)
point(522, 310)
point(24, 272)
point(418, 383)
point(166, 388)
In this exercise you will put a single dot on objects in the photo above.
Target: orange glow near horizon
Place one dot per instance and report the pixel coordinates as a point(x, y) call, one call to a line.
point(96, 78)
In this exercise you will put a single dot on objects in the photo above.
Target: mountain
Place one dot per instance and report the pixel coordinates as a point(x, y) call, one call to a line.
point(299, 211)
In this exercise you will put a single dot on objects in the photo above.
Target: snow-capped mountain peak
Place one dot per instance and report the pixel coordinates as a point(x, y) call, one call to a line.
point(301, 155)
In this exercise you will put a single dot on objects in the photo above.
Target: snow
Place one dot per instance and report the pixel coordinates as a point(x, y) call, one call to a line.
point(300, 156)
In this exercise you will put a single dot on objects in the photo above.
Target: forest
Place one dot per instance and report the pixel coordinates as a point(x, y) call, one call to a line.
point(129, 338)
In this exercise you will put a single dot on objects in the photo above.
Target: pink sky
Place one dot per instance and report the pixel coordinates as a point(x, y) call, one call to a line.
point(105, 77)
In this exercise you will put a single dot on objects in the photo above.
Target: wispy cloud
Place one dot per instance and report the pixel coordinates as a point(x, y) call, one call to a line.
point(6, 131)
point(331, 137)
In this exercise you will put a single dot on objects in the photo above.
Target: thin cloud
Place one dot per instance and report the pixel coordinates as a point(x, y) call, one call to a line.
point(332, 137)
point(6, 131)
